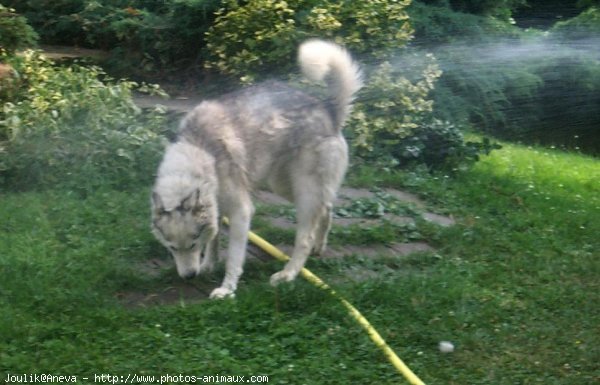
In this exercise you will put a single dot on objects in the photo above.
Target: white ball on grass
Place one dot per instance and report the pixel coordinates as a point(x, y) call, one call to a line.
point(446, 347)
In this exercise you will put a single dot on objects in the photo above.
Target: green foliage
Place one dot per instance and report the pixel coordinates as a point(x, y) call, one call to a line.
point(522, 90)
point(15, 33)
point(441, 145)
point(393, 118)
point(584, 26)
point(378, 206)
point(65, 126)
point(55, 20)
point(158, 37)
point(391, 106)
point(259, 34)
point(497, 8)
point(251, 37)
point(515, 84)
point(436, 25)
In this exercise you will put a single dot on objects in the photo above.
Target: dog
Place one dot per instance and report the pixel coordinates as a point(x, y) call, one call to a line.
point(271, 133)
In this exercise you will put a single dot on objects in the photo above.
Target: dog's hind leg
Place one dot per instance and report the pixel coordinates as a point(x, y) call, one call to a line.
point(310, 211)
point(240, 214)
point(322, 230)
point(316, 183)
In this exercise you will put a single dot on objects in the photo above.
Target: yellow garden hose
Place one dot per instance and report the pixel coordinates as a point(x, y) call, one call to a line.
point(373, 334)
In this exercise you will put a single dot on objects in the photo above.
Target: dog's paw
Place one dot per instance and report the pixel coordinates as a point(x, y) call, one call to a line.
point(283, 276)
point(221, 293)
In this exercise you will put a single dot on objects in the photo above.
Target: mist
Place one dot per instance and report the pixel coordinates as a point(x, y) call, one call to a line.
point(538, 89)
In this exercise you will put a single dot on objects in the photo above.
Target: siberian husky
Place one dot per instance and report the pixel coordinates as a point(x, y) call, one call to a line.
point(269, 133)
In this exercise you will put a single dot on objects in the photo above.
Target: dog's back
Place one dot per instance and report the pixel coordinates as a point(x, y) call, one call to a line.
point(260, 130)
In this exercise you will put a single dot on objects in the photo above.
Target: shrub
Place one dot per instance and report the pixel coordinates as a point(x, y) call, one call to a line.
point(393, 119)
point(440, 145)
point(262, 35)
point(533, 91)
point(145, 37)
point(497, 8)
point(64, 126)
point(435, 25)
point(15, 33)
point(584, 26)
point(390, 107)
point(54, 20)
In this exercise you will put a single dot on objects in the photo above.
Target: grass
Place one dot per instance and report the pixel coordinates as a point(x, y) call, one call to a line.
point(514, 285)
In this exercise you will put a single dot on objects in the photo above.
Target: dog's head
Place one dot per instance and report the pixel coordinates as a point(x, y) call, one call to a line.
point(186, 229)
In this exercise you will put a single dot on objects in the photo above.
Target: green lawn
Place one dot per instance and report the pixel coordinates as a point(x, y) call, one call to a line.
point(514, 285)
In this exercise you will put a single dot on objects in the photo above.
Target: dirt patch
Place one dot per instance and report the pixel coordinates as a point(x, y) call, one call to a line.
point(174, 291)
point(177, 293)
point(56, 52)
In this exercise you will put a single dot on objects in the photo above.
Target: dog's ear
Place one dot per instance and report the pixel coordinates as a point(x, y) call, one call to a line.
point(190, 202)
point(158, 206)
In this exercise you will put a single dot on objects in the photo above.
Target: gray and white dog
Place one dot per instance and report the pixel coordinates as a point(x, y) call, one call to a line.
point(267, 133)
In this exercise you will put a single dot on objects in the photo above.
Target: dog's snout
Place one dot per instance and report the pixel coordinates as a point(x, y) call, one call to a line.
point(189, 274)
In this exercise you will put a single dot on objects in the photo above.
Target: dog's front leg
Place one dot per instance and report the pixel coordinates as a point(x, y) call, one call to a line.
point(211, 253)
point(239, 225)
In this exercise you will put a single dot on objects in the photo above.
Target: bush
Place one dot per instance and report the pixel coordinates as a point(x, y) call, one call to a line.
point(393, 119)
point(157, 37)
point(515, 84)
point(584, 26)
point(64, 126)
point(15, 33)
point(532, 91)
point(54, 19)
point(497, 8)
point(390, 107)
point(262, 35)
point(436, 25)
point(440, 145)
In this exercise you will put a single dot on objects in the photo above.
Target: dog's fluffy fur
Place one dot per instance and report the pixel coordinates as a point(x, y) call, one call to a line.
point(270, 132)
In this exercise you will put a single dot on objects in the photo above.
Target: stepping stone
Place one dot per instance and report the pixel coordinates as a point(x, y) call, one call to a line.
point(392, 250)
point(287, 223)
point(440, 220)
point(367, 222)
point(405, 196)
point(281, 222)
point(403, 249)
point(351, 193)
point(270, 198)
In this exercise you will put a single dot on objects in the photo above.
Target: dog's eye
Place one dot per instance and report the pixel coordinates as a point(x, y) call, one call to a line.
point(173, 248)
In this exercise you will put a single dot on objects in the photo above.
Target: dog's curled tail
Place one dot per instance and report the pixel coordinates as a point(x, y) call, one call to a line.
point(321, 60)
